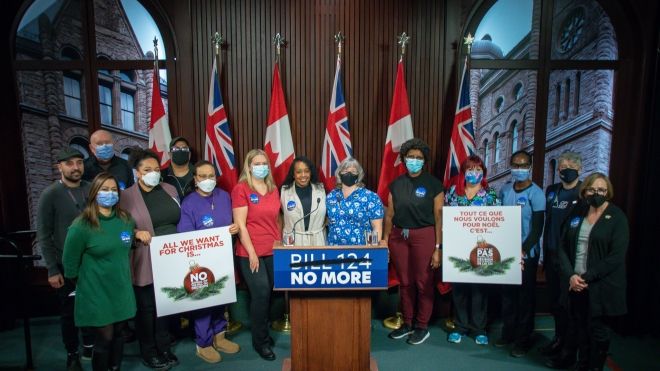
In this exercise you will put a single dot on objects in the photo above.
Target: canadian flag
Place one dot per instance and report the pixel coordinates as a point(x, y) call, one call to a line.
point(279, 145)
point(159, 128)
point(398, 131)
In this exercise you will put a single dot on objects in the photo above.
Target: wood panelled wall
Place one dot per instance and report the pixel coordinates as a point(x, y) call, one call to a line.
point(308, 64)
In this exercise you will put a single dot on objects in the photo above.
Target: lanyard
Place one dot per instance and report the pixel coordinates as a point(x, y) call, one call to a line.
point(73, 198)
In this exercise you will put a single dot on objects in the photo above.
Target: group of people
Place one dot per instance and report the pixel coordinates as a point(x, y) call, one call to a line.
point(96, 222)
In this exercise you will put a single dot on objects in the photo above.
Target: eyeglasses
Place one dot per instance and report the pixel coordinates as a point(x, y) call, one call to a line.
point(204, 177)
point(414, 158)
point(180, 149)
point(600, 191)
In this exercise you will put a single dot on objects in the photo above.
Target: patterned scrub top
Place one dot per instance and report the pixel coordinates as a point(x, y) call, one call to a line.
point(350, 217)
point(485, 197)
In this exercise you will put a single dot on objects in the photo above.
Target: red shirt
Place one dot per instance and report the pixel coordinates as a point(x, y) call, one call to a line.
point(262, 215)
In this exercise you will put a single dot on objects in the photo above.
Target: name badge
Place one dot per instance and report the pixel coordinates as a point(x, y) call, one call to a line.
point(291, 205)
point(521, 201)
point(125, 237)
point(575, 222)
point(122, 185)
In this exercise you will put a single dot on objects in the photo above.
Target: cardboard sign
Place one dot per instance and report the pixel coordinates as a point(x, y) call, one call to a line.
point(481, 244)
point(193, 270)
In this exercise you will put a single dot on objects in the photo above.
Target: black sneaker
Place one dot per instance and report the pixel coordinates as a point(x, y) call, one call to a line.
point(156, 363)
point(401, 332)
point(73, 362)
point(88, 352)
point(172, 359)
point(418, 336)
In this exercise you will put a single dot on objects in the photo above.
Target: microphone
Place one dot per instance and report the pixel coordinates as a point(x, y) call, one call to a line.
point(293, 228)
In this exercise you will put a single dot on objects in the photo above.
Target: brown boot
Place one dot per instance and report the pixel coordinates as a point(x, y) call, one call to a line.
point(208, 354)
point(222, 344)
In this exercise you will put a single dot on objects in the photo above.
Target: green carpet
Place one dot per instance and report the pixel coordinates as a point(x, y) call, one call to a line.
point(435, 354)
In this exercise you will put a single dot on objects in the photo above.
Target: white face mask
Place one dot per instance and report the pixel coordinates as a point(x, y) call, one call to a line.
point(206, 185)
point(151, 178)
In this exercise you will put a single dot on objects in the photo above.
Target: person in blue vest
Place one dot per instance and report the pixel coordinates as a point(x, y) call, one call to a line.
point(208, 207)
point(518, 302)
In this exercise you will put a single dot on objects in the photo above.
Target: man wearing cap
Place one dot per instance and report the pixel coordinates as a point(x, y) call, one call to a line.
point(103, 159)
point(180, 171)
point(59, 204)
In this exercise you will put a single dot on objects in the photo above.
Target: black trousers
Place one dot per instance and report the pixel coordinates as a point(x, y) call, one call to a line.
point(589, 335)
point(67, 323)
point(260, 285)
point(518, 304)
point(552, 280)
point(470, 308)
point(151, 330)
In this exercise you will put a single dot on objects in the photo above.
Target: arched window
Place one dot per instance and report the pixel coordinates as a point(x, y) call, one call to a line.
point(498, 146)
point(95, 56)
point(81, 144)
point(552, 170)
point(506, 62)
point(514, 136)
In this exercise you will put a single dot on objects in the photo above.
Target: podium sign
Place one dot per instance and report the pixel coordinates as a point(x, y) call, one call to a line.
point(330, 268)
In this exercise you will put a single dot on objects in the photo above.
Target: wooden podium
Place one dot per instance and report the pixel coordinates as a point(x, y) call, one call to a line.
point(330, 304)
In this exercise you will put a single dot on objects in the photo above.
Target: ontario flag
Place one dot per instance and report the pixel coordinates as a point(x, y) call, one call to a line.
point(159, 128)
point(219, 148)
point(279, 145)
point(462, 133)
point(399, 130)
point(337, 142)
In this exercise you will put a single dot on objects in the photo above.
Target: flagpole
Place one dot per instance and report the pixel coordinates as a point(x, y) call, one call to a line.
point(396, 321)
point(218, 41)
point(284, 324)
point(339, 40)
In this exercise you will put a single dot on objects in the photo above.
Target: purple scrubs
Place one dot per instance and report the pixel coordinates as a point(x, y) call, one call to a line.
point(199, 212)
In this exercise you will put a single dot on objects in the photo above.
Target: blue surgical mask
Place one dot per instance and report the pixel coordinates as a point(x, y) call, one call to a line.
point(414, 165)
point(474, 177)
point(107, 198)
point(520, 175)
point(104, 152)
point(260, 171)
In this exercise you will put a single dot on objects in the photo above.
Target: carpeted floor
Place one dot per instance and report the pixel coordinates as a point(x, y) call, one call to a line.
point(630, 354)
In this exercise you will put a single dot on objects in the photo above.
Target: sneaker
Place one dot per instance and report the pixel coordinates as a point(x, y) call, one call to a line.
point(73, 362)
point(87, 352)
point(208, 354)
point(222, 344)
point(171, 358)
point(401, 332)
point(418, 336)
point(481, 340)
point(454, 337)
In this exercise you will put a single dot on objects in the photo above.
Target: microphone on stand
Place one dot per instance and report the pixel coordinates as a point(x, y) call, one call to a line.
point(293, 228)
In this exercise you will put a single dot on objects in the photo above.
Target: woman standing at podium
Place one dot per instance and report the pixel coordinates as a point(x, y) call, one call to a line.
point(256, 208)
point(352, 209)
point(413, 224)
point(303, 203)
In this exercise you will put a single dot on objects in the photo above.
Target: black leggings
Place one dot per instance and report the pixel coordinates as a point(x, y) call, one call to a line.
point(108, 346)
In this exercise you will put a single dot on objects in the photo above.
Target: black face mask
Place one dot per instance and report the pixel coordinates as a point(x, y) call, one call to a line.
point(568, 175)
point(596, 200)
point(180, 157)
point(348, 179)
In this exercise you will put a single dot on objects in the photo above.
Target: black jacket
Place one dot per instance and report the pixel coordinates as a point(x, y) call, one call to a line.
point(606, 266)
point(118, 168)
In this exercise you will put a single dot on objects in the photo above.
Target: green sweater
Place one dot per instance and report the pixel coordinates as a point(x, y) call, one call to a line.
point(98, 259)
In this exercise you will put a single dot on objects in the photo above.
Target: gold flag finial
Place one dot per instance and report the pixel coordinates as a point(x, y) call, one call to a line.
point(468, 41)
point(278, 42)
point(218, 40)
point(339, 40)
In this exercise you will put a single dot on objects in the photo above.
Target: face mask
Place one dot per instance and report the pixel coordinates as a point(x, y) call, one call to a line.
point(474, 177)
point(520, 175)
point(151, 178)
point(180, 157)
point(107, 198)
point(260, 171)
point(568, 175)
point(348, 179)
point(206, 185)
point(414, 165)
point(104, 152)
point(596, 200)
